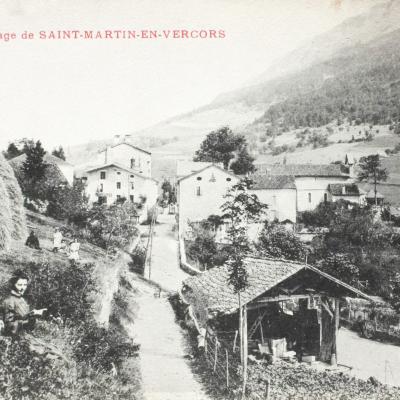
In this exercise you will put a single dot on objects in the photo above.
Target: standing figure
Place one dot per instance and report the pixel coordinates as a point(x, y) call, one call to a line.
point(74, 250)
point(57, 240)
point(33, 241)
point(18, 317)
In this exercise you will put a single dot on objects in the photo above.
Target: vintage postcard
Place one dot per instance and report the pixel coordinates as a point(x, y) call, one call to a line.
point(200, 199)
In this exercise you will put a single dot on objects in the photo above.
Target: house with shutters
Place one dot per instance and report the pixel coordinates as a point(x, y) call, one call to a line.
point(113, 182)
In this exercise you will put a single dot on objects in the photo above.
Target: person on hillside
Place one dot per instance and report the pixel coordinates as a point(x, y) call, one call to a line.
point(20, 320)
point(57, 240)
point(74, 250)
point(33, 241)
point(18, 317)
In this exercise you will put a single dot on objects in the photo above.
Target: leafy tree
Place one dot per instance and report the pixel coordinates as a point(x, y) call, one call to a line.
point(340, 266)
point(243, 163)
point(220, 146)
point(33, 170)
point(371, 169)
point(113, 226)
point(276, 241)
point(59, 153)
point(70, 203)
point(203, 249)
point(168, 193)
point(240, 209)
point(12, 151)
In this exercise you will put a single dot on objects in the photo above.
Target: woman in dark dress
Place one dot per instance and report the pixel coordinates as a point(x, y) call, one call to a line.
point(18, 317)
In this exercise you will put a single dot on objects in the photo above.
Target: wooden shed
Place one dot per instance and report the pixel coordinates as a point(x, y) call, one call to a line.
point(283, 300)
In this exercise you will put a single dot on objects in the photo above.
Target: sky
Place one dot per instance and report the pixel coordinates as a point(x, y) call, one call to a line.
point(67, 92)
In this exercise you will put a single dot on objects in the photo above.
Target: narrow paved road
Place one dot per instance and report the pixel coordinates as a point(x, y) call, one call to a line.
point(166, 374)
point(369, 358)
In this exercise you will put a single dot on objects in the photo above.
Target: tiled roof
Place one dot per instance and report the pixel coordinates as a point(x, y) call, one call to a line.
point(212, 291)
point(350, 189)
point(301, 169)
point(262, 275)
point(272, 182)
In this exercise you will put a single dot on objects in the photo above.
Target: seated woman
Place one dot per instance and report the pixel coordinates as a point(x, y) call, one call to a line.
point(32, 241)
point(18, 317)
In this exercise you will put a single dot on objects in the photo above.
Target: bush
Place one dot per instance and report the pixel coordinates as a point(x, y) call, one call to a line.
point(276, 241)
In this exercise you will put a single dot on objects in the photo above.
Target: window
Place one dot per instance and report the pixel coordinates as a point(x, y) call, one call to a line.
point(101, 188)
point(118, 197)
point(118, 185)
point(199, 178)
point(309, 197)
point(198, 191)
point(133, 163)
point(103, 175)
point(131, 198)
point(325, 197)
point(118, 173)
point(132, 186)
point(228, 179)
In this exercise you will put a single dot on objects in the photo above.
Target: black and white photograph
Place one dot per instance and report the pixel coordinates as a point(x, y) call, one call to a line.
point(200, 200)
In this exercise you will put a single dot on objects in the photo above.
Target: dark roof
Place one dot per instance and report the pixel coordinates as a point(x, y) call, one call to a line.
point(120, 166)
point(263, 274)
point(301, 169)
point(351, 189)
point(272, 182)
point(128, 144)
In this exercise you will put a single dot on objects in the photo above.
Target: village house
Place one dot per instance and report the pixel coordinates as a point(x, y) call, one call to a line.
point(346, 191)
point(201, 194)
point(127, 155)
point(288, 310)
point(57, 167)
point(113, 182)
point(279, 192)
point(312, 181)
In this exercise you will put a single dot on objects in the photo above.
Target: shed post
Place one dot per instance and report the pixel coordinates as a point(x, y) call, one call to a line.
point(337, 318)
point(245, 351)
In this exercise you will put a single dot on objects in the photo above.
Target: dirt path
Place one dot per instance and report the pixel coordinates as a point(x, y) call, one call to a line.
point(165, 269)
point(369, 358)
point(166, 374)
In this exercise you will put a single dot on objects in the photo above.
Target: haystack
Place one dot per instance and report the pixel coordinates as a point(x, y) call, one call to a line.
point(12, 213)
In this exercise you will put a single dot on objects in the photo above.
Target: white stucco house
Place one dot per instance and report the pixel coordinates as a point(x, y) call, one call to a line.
point(279, 192)
point(312, 180)
point(201, 194)
point(127, 155)
point(111, 182)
